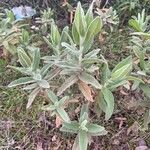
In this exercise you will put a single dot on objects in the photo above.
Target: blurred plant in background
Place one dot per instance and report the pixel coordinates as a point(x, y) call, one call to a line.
point(140, 44)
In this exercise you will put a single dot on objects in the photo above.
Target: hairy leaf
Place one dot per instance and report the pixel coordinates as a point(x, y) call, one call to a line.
point(146, 89)
point(72, 127)
point(69, 82)
point(36, 59)
point(89, 79)
point(43, 83)
point(32, 96)
point(95, 129)
point(63, 114)
point(109, 99)
point(83, 140)
point(52, 96)
point(24, 59)
point(21, 81)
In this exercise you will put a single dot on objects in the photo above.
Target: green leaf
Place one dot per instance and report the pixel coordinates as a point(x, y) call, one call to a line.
point(89, 14)
point(63, 114)
point(21, 81)
point(122, 69)
point(135, 25)
point(72, 127)
point(101, 102)
point(45, 69)
point(47, 42)
point(62, 100)
point(53, 73)
point(79, 20)
point(109, 99)
point(116, 83)
point(83, 117)
point(36, 59)
point(89, 79)
point(49, 108)
point(52, 96)
point(24, 59)
point(93, 30)
point(70, 48)
point(83, 140)
point(146, 89)
point(25, 37)
point(106, 73)
point(92, 54)
point(132, 78)
point(124, 62)
point(69, 82)
point(30, 86)
point(64, 35)
point(32, 96)
point(146, 119)
point(84, 109)
point(43, 83)
point(75, 34)
point(21, 69)
point(88, 61)
point(142, 34)
point(55, 35)
point(95, 129)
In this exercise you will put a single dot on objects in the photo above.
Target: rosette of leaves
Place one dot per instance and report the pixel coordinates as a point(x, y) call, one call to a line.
point(140, 23)
point(45, 20)
point(141, 40)
point(108, 16)
point(127, 8)
point(79, 62)
point(110, 81)
point(57, 106)
point(9, 32)
point(84, 129)
point(54, 42)
point(36, 79)
point(141, 45)
point(25, 39)
point(141, 48)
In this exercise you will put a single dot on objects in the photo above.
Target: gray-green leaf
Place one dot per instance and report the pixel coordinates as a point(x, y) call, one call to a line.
point(109, 99)
point(83, 140)
point(21, 81)
point(89, 79)
point(69, 82)
point(32, 96)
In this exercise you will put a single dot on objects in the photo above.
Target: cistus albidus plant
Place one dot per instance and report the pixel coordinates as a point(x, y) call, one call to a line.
point(78, 67)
